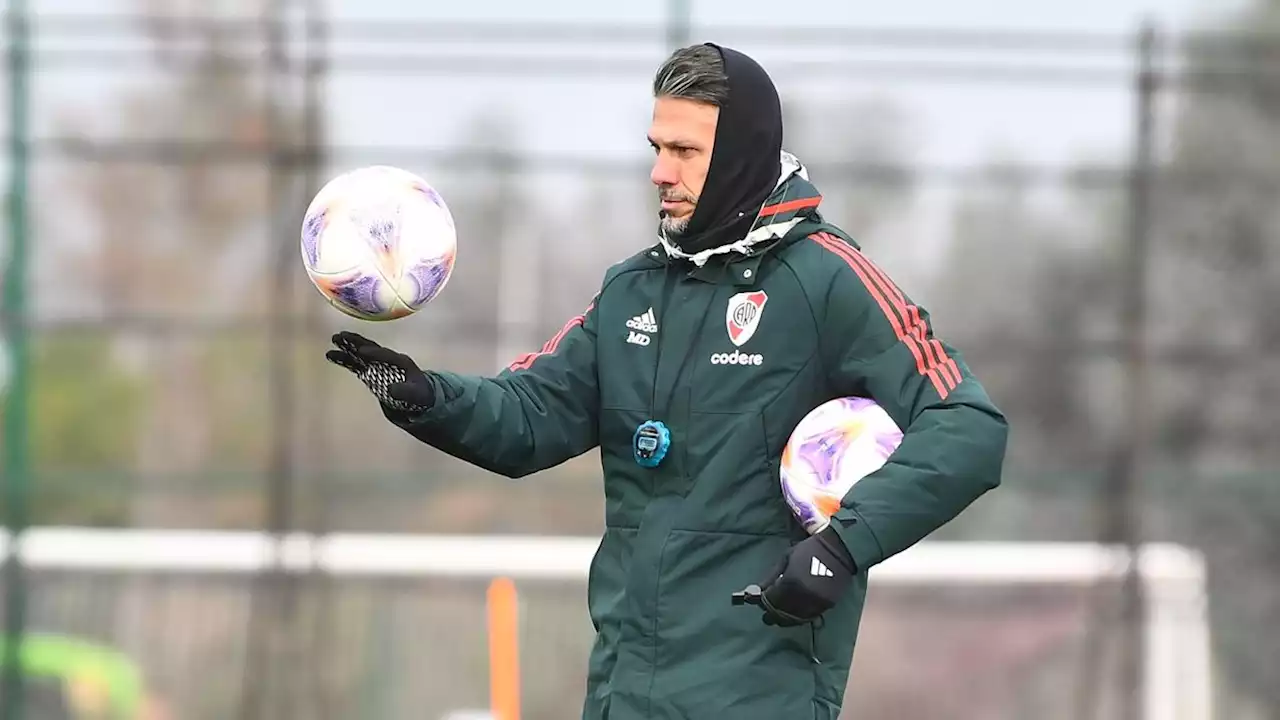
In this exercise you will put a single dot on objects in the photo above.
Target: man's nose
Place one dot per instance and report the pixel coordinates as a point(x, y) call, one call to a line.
point(664, 172)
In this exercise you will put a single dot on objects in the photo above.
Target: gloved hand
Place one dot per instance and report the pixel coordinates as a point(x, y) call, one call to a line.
point(809, 581)
point(393, 378)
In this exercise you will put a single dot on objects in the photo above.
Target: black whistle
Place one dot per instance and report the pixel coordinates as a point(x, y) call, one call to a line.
point(750, 595)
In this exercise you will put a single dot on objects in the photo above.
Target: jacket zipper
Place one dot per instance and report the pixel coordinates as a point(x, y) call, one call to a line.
point(668, 284)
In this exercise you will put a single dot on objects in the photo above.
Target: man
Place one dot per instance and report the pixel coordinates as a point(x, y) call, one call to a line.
point(690, 368)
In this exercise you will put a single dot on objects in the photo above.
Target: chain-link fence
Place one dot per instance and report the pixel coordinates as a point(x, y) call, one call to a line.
point(169, 347)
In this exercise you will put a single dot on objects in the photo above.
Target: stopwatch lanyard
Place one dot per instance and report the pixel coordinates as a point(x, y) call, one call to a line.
point(690, 347)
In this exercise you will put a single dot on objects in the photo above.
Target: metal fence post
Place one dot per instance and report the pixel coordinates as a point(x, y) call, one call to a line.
point(679, 18)
point(16, 410)
point(1128, 500)
point(265, 692)
point(1117, 628)
point(318, 693)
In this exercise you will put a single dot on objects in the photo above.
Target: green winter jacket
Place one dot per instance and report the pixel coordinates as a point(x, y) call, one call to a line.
point(730, 355)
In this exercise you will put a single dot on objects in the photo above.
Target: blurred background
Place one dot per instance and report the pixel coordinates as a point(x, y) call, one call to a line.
point(1083, 194)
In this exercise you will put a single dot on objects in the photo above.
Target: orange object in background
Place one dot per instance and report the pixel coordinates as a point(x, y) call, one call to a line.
point(504, 650)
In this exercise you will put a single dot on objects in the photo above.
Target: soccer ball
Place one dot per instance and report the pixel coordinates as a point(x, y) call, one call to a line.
point(835, 445)
point(378, 242)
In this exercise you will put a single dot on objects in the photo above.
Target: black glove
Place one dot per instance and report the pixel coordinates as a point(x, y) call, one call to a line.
point(393, 378)
point(809, 581)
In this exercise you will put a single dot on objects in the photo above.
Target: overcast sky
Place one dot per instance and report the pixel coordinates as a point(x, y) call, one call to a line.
point(957, 121)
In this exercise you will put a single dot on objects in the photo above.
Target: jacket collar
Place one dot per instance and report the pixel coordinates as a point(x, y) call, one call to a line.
point(793, 199)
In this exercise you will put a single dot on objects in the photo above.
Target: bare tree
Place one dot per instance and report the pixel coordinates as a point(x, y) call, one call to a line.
point(1217, 300)
point(861, 151)
point(180, 237)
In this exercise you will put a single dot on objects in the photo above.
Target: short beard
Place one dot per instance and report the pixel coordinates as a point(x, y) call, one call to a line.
point(673, 227)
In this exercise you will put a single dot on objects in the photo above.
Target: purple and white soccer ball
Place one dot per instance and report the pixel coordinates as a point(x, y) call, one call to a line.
point(379, 243)
point(833, 447)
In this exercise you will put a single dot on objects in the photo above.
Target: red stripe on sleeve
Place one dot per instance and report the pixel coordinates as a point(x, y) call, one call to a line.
point(906, 322)
point(526, 360)
point(915, 323)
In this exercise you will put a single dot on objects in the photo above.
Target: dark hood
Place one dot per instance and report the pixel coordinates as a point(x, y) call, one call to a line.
point(793, 199)
point(744, 161)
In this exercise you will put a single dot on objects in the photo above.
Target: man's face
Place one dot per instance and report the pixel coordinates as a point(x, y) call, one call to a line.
point(682, 135)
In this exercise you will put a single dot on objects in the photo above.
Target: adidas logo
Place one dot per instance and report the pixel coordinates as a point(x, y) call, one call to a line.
point(645, 322)
point(816, 568)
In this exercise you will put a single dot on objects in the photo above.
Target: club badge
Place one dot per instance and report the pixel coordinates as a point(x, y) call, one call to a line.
point(743, 315)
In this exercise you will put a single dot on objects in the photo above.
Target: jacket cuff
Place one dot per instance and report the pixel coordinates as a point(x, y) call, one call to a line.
point(444, 397)
point(858, 538)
